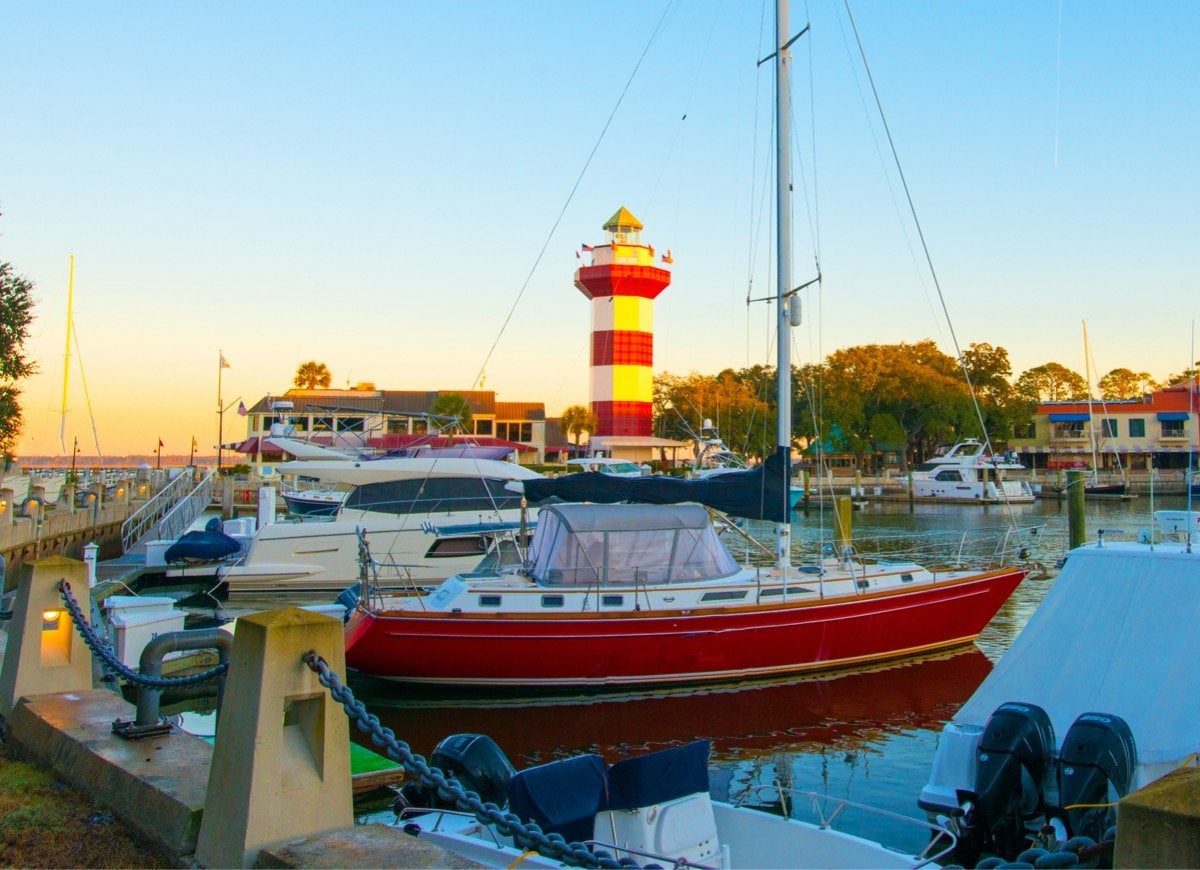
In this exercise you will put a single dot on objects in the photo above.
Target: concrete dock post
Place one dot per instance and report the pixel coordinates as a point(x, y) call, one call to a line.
point(45, 653)
point(281, 763)
point(7, 507)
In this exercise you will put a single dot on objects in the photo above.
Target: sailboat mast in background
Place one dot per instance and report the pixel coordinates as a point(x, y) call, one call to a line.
point(62, 433)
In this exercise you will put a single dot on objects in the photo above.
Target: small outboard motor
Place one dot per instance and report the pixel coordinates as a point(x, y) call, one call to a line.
point(1014, 765)
point(1095, 768)
point(475, 761)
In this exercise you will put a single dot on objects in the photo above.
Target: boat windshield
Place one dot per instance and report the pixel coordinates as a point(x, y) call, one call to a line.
point(618, 545)
point(433, 495)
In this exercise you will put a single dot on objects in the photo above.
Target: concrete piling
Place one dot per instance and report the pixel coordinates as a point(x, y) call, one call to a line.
point(281, 763)
point(45, 654)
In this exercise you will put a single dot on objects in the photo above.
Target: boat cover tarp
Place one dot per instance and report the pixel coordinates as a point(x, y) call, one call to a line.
point(205, 546)
point(561, 797)
point(1115, 634)
point(760, 493)
point(646, 780)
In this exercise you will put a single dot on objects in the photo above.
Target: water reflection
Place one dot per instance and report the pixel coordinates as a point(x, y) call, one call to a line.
point(839, 712)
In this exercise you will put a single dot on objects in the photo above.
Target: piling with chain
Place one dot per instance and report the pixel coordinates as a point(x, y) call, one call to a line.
point(44, 655)
point(281, 762)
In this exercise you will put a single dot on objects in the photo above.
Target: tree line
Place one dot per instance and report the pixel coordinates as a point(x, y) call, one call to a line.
point(907, 398)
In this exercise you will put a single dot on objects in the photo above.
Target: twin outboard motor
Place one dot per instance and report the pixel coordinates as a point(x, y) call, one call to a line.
point(1095, 769)
point(475, 761)
point(1014, 769)
point(1020, 786)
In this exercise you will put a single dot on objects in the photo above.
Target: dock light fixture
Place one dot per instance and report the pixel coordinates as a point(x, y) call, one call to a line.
point(50, 619)
point(3, 505)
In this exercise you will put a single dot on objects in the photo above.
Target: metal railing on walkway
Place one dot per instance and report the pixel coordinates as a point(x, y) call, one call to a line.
point(169, 514)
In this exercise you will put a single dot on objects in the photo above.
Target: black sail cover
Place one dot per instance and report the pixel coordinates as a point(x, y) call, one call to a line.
point(759, 493)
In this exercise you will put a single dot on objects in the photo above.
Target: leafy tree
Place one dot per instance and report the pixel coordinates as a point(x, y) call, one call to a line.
point(1052, 382)
point(576, 420)
point(730, 399)
point(16, 315)
point(311, 375)
point(1125, 384)
point(455, 410)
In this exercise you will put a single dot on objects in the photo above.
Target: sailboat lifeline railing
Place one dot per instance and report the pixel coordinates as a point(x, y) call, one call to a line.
point(170, 512)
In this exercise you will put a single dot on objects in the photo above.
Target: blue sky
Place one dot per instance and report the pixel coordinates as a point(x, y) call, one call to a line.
point(372, 184)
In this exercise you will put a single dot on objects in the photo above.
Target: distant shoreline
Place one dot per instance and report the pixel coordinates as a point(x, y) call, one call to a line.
point(172, 460)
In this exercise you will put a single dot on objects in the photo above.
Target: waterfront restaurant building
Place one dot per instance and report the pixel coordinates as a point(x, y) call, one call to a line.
point(1156, 431)
point(391, 419)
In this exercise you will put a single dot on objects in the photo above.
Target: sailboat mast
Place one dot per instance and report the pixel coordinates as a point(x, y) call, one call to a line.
point(1087, 374)
point(62, 432)
point(783, 253)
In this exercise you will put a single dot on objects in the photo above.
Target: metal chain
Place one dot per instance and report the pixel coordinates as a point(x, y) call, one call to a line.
point(524, 836)
point(113, 665)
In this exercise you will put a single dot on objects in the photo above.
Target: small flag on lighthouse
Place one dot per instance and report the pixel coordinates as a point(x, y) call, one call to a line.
point(585, 247)
point(242, 409)
point(667, 258)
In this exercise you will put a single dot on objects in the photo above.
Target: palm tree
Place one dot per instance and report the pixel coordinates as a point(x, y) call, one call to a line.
point(455, 407)
point(576, 420)
point(312, 374)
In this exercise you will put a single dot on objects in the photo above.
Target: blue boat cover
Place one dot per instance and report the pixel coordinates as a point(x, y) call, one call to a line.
point(659, 777)
point(203, 546)
point(760, 493)
point(562, 796)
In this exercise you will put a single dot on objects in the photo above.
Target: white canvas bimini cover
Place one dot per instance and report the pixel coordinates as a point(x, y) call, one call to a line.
point(1117, 633)
point(621, 544)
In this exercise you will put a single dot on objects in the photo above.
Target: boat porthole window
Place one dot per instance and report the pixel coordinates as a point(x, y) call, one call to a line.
point(489, 600)
point(612, 600)
point(906, 578)
point(552, 601)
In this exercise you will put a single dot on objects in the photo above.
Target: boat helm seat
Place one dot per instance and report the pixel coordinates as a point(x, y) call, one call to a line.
point(561, 797)
point(659, 805)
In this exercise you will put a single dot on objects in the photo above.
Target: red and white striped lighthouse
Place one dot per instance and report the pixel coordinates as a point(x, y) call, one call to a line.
point(622, 282)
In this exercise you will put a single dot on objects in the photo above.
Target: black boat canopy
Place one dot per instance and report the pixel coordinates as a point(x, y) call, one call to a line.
point(759, 493)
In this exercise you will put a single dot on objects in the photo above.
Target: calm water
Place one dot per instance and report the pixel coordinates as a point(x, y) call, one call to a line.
point(869, 736)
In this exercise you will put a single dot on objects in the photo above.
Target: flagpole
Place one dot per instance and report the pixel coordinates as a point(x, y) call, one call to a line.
point(220, 409)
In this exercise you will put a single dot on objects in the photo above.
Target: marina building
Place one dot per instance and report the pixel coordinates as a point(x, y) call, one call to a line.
point(392, 419)
point(1156, 431)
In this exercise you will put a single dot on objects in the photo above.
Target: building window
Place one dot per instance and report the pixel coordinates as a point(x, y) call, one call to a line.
point(398, 427)
point(1071, 429)
point(1173, 428)
point(483, 427)
point(1027, 431)
point(1137, 427)
point(1108, 428)
point(522, 432)
point(351, 424)
point(322, 424)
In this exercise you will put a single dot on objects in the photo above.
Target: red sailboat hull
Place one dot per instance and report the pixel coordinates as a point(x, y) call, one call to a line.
point(647, 648)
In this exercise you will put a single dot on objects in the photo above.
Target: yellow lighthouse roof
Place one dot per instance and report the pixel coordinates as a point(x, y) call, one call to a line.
point(623, 221)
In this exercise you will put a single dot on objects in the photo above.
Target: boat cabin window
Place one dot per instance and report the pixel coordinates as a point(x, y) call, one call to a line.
point(489, 600)
point(621, 545)
point(724, 596)
point(433, 495)
point(612, 601)
point(948, 474)
point(552, 601)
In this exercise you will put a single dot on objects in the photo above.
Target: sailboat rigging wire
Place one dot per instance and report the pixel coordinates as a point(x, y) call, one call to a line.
point(962, 360)
point(86, 395)
point(658, 28)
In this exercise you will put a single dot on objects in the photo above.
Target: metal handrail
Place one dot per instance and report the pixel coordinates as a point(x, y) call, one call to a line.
point(169, 513)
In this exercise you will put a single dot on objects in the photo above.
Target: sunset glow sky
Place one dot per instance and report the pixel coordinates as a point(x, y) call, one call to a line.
point(379, 185)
